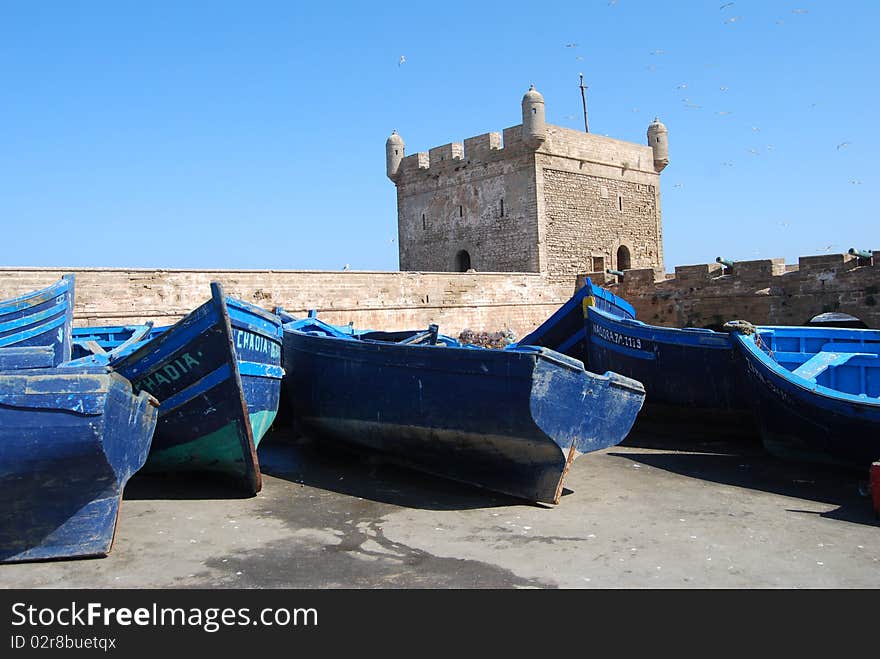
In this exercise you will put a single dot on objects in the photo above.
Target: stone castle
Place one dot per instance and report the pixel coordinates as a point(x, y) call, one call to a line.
point(535, 198)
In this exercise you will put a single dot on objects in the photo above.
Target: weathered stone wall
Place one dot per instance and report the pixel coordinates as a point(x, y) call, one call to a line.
point(762, 292)
point(379, 300)
point(476, 197)
point(598, 194)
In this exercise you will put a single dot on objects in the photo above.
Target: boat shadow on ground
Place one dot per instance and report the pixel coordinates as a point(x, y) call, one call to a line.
point(742, 462)
point(180, 486)
point(335, 467)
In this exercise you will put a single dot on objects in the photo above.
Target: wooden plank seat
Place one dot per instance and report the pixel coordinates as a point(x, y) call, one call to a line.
point(818, 363)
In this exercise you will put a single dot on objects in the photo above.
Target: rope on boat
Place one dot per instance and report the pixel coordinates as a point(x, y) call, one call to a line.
point(745, 328)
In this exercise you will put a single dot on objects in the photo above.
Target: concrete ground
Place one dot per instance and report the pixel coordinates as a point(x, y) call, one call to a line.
point(662, 511)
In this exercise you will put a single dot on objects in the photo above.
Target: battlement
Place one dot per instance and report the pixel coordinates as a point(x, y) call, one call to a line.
point(764, 291)
point(480, 148)
point(561, 142)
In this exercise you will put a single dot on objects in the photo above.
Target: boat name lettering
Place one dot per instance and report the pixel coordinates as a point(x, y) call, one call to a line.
point(168, 373)
point(251, 341)
point(616, 337)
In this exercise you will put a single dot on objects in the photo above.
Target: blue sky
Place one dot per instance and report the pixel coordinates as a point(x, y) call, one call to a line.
point(251, 135)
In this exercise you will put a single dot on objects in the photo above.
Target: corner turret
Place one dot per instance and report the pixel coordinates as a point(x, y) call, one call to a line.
point(534, 128)
point(394, 152)
point(659, 142)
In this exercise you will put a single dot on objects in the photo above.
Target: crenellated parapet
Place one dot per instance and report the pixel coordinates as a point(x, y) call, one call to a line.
point(762, 291)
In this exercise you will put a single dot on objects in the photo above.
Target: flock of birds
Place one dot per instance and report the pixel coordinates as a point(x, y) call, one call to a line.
point(726, 8)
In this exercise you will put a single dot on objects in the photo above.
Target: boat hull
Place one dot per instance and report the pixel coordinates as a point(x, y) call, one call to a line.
point(69, 441)
point(508, 421)
point(691, 371)
point(205, 421)
point(798, 422)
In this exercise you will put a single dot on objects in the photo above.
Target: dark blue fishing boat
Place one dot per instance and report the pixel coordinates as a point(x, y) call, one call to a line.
point(69, 440)
point(217, 375)
point(508, 420)
point(566, 330)
point(815, 391)
point(688, 373)
point(35, 328)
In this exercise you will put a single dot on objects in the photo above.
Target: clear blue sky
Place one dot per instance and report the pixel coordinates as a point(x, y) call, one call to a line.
point(251, 134)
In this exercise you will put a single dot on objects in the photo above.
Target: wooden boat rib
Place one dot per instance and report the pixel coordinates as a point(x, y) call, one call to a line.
point(69, 440)
point(815, 391)
point(36, 320)
point(508, 420)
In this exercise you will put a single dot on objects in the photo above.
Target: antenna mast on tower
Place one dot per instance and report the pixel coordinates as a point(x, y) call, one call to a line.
point(584, 101)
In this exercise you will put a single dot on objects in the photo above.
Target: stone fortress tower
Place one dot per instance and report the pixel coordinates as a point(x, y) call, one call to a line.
point(535, 198)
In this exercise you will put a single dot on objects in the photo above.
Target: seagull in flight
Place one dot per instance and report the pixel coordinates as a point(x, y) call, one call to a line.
point(402, 60)
point(842, 145)
point(346, 267)
point(726, 5)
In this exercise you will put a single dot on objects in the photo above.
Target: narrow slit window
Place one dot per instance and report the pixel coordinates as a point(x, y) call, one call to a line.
point(502, 208)
point(619, 202)
point(460, 211)
point(424, 222)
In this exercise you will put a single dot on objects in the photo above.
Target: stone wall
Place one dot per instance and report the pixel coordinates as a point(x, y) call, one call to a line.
point(378, 300)
point(765, 291)
point(479, 198)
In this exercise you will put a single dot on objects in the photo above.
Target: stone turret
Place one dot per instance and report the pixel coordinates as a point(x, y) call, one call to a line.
point(659, 142)
point(534, 128)
point(394, 148)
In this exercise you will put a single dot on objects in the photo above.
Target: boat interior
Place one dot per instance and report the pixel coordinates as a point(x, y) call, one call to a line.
point(845, 361)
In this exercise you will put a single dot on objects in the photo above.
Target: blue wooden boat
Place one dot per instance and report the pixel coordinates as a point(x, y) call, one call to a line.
point(815, 391)
point(511, 420)
point(566, 330)
point(69, 440)
point(34, 321)
point(217, 375)
point(688, 373)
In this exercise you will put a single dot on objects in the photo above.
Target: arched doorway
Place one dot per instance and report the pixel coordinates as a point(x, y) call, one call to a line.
point(463, 261)
point(623, 262)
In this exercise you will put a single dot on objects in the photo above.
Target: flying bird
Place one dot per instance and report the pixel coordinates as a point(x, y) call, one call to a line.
point(678, 185)
point(856, 181)
point(659, 51)
point(723, 89)
point(571, 45)
point(402, 60)
point(724, 112)
point(732, 19)
point(726, 5)
point(842, 145)
point(727, 164)
point(682, 86)
point(800, 11)
point(346, 267)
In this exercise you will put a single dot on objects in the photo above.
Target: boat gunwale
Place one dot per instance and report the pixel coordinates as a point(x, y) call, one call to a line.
point(754, 354)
